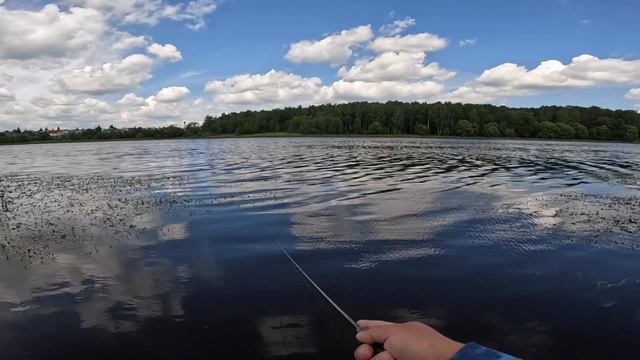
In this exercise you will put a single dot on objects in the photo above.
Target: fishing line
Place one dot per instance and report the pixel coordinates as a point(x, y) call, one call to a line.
point(333, 303)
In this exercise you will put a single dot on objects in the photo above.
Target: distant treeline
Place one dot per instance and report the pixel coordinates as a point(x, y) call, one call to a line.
point(18, 136)
point(391, 118)
point(438, 119)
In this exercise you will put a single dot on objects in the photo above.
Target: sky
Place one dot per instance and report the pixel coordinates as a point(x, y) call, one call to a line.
point(82, 63)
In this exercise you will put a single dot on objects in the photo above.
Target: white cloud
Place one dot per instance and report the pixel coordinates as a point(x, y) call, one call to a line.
point(165, 107)
point(60, 61)
point(49, 32)
point(510, 79)
point(131, 99)
point(172, 94)
point(127, 41)
point(280, 89)
point(633, 94)
point(397, 26)
point(583, 70)
point(165, 52)
point(118, 75)
point(150, 12)
point(391, 66)
point(196, 11)
point(6, 95)
point(467, 42)
point(108, 77)
point(470, 95)
point(384, 90)
point(273, 89)
point(401, 73)
point(71, 108)
point(334, 49)
point(423, 42)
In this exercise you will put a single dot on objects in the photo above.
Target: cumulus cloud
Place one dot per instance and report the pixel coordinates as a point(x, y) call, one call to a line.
point(633, 94)
point(397, 26)
point(60, 62)
point(471, 95)
point(273, 89)
point(131, 99)
point(127, 41)
point(391, 66)
point(6, 95)
point(161, 109)
point(399, 71)
point(108, 77)
point(583, 70)
point(48, 32)
point(384, 90)
point(165, 52)
point(172, 94)
point(166, 106)
point(72, 108)
point(334, 49)
point(423, 42)
point(150, 12)
point(510, 79)
point(118, 75)
point(279, 89)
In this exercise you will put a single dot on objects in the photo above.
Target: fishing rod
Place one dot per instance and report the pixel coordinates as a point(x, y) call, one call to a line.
point(333, 303)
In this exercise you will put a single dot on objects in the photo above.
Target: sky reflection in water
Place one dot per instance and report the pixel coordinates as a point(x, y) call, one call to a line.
point(170, 248)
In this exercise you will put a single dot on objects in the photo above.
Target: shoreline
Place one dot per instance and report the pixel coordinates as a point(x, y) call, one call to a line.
point(294, 135)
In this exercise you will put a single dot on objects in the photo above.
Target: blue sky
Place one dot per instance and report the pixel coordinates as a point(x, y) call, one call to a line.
point(252, 36)
point(214, 56)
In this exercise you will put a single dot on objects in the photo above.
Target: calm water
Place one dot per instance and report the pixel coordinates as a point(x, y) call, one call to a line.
point(170, 249)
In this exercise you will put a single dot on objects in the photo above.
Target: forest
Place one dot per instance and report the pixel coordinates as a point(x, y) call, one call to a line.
point(391, 118)
point(437, 119)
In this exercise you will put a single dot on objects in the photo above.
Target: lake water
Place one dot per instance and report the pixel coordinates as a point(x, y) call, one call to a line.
point(171, 249)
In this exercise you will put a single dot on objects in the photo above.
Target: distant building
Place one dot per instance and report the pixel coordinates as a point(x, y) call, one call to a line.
point(55, 132)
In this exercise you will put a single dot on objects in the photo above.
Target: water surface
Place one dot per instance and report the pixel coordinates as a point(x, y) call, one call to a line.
point(171, 249)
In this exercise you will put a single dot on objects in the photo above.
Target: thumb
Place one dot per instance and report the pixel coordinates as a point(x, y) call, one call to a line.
point(377, 334)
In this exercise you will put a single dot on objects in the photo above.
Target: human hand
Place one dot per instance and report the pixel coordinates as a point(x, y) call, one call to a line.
point(406, 341)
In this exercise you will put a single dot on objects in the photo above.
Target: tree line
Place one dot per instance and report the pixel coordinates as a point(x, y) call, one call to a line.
point(437, 119)
point(391, 118)
point(18, 135)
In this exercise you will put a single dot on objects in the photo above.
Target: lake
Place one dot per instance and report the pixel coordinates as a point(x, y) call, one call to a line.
point(171, 249)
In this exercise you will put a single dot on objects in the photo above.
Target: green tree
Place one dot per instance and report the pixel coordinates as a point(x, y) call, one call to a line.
point(491, 129)
point(376, 128)
point(600, 133)
point(631, 134)
point(564, 131)
point(547, 130)
point(466, 128)
point(580, 131)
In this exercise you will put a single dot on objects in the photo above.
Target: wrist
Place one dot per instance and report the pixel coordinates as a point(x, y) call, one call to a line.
point(451, 349)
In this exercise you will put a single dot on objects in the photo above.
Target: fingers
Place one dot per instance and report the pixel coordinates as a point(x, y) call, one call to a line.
point(372, 323)
point(378, 334)
point(364, 352)
point(385, 355)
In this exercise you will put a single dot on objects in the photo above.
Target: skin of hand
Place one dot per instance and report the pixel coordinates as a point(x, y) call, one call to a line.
point(406, 341)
